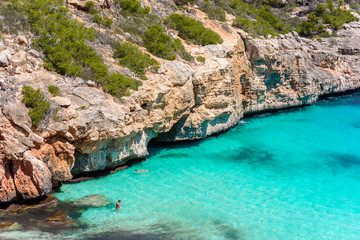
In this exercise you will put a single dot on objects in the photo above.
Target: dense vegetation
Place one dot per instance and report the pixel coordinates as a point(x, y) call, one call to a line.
point(257, 20)
point(214, 12)
point(63, 41)
point(12, 20)
point(264, 17)
point(192, 31)
point(147, 30)
point(98, 18)
point(137, 25)
point(162, 45)
point(325, 17)
point(35, 101)
point(132, 57)
point(131, 7)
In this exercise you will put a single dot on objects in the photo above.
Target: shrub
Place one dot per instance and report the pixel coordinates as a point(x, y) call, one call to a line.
point(256, 27)
point(131, 7)
point(13, 19)
point(137, 26)
point(334, 19)
point(92, 9)
point(311, 27)
point(338, 17)
point(243, 9)
point(257, 21)
point(34, 100)
point(213, 12)
point(200, 59)
point(54, 90)
point(90, 6)
point(193, 31)
point(162, 45)
point(118, 84)
point(63, 41)
point(330, 5)
point(324, 34)
point(133, 58)
point(107, 22)
point(273, 22)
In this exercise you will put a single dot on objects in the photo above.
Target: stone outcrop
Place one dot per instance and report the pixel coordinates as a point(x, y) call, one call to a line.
point(59, 217)
point(8, 191)
point(293, 71)
point(183, 101)
point(32, 178)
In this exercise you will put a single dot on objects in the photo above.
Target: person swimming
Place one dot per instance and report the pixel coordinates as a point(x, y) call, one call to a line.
point(118, 205)
point(142, 170)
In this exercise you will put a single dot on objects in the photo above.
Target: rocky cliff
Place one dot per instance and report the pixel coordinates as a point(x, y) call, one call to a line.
point(183, 101)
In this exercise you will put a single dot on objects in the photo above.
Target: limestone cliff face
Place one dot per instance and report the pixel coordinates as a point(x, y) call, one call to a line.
point(293, 71)
point(183, 101)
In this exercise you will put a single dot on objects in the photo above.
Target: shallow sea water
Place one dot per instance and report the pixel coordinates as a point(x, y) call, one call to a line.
point(293, 174)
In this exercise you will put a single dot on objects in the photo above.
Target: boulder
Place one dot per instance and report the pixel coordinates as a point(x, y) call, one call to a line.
point(34, 53)
point(18, 70)
point(61, 101)
point(18, 114)
point(4, 61)
point(91, 83)
point(31, 176)
point(91, 95)
point(59, 157)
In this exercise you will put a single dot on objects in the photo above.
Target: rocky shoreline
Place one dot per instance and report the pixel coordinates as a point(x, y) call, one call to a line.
point(93, 131)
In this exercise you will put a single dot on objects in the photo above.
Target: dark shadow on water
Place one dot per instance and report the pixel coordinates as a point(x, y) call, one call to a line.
point(339, 163)
point(251, 155)
point(352, 99)
point(175, 155)
point(356, 125)
point(229, 232)
point(155, 147)
point(274, 112)
point(346, 160)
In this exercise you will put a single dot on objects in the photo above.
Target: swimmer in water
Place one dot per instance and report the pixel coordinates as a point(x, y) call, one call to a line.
point(118, 205)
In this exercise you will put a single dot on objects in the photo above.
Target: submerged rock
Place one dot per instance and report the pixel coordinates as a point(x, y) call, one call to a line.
point(9, 226)
point(59, 217)
point(6, 224)
point(94, 200)
point(32, 205)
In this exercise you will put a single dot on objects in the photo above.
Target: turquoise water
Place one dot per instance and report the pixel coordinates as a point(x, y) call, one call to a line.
point(294, 174)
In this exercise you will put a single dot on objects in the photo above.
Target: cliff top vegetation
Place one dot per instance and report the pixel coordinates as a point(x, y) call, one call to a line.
point(70, 38)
